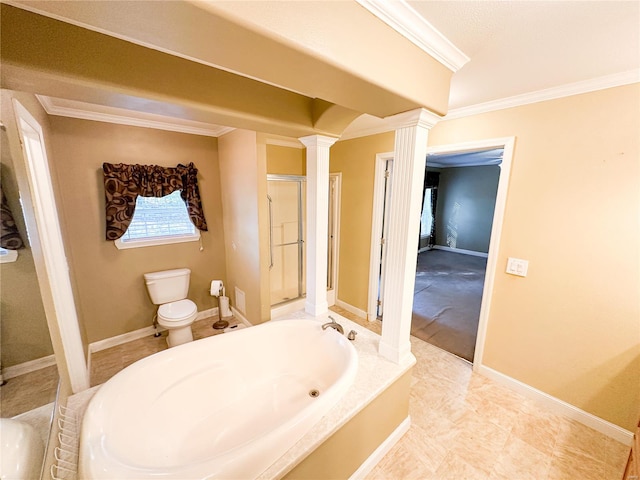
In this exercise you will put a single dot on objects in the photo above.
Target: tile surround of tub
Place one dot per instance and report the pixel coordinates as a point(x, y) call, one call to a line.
point(464, 426)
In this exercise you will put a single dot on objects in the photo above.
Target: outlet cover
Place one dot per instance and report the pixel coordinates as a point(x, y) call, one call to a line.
point(517, 266)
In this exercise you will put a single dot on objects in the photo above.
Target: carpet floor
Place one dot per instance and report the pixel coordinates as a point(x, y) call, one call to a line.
point(447, 298)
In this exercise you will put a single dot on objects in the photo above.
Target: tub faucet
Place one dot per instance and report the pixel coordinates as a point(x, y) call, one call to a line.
point(333, 324)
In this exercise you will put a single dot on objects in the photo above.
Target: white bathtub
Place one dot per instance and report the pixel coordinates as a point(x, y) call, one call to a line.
point(226, 406)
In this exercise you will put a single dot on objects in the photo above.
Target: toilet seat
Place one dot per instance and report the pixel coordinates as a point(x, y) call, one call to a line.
point(179, 313)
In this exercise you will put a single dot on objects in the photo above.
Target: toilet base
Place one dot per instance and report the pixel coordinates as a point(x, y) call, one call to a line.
point(178, 336)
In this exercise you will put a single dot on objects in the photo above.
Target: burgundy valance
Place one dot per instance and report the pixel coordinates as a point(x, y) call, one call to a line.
point(123, 183)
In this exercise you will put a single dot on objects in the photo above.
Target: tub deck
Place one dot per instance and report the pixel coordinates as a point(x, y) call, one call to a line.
point(375, 375)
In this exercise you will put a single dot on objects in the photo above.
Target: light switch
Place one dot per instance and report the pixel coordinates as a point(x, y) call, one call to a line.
point(517, 266)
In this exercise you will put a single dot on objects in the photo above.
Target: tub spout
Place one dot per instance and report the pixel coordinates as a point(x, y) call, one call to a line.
point(333, 324)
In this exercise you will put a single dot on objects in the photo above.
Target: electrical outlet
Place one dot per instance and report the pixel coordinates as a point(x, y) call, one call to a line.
point(517, 266)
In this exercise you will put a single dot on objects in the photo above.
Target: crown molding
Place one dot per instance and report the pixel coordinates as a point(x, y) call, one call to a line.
point(285, 142)
point(100, 113)
point(400, 16)
point(577, 88)
point(375, 125)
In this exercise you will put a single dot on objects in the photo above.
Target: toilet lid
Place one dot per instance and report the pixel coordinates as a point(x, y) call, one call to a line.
point(176, 311)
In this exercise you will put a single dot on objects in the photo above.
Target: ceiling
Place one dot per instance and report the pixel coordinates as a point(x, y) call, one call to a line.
point(519, 47)
point(519, 51)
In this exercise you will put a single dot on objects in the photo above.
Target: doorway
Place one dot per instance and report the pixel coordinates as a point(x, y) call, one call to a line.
point(376, 269)
point(459, 201)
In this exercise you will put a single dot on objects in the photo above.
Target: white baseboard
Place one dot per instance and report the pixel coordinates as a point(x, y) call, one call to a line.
point(288, 307)
point(140, 333)
point(240, 317)
point(351, 308)
point(384, 448)
point(212, 312)
point(461, 250)
point(559, 407)
point(28, 367)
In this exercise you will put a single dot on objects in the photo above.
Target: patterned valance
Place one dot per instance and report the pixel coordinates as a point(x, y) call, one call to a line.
point(123, 183)
point(9, 235)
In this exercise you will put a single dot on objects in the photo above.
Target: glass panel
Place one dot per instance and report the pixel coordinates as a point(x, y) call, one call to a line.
point(287, 207)
point(284, 274)
point(285, 211)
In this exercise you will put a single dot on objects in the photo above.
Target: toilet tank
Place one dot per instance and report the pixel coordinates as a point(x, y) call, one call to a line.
point(168, 285)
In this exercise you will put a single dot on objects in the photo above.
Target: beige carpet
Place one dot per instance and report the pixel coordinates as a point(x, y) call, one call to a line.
point(446, 302)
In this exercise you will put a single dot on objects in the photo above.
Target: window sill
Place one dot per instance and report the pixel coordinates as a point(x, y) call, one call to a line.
point(152, 242)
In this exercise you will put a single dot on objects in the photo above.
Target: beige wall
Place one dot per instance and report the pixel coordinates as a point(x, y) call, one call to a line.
point(356, 160)
point(286, 160)
point(112, 298)
point(571, 328)
point(25, 335)
point(31, 104)
point(243, 175)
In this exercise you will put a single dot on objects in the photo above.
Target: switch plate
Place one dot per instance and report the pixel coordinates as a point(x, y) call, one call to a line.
point(517, 266)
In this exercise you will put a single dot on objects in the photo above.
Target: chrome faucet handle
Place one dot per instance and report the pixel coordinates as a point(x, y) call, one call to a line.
point(352, 335)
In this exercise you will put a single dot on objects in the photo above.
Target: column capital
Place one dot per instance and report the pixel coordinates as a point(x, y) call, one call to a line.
point(318, 141)
point(418, 117)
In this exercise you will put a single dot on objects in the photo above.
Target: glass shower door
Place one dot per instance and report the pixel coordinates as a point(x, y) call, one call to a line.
point(286, 206)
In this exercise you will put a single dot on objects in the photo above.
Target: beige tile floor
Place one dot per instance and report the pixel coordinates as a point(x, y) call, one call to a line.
point(467, 427)
point(28, 391)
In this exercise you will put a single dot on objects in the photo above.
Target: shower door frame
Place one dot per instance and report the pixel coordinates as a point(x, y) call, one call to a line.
point(300, 180)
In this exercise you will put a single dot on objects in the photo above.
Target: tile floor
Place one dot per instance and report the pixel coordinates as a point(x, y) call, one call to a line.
point(106, 363)
point(467, 427)
point(28, 391)
point(464, 426)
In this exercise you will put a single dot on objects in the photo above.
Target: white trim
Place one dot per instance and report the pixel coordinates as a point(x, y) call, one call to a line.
point(141, 333)
point(331, 294)
point(285, 142)
point(121, 116)
point(52, 267)
point(376, 233)
point(28, 367)
point(240, 317)
point(494, 244)
point(553, 93)
point(123, 338)
point(459, 250)
point(155, 241)
point(508, 143)
point(560, 407)
point(289, 307)
point(210, 312)
point(351, 308)
point(384, 448)
point(8, 256)
point(400, 16)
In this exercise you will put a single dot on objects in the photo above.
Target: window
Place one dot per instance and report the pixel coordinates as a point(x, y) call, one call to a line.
point(426, 220)
point(159, 221)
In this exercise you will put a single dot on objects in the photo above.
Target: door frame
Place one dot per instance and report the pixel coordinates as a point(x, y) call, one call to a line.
point(49, 254)
point(377, 221)
point(508, 146)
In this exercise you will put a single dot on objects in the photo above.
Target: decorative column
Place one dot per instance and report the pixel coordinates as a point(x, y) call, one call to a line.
point(409, 162)
point(317, 221)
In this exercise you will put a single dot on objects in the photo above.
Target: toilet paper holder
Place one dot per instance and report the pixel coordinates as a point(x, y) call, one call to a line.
point(217, 290)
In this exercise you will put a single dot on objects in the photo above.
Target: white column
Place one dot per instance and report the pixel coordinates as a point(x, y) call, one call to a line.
point(317, 221)
point(409, 161)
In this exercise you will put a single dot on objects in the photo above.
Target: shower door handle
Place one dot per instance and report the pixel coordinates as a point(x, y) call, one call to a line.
point(270, 232)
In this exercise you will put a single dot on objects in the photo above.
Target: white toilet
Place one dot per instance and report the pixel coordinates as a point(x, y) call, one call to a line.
point(176, 313)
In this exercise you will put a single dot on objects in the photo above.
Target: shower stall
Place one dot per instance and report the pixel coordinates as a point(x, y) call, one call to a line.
point(286, 196)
